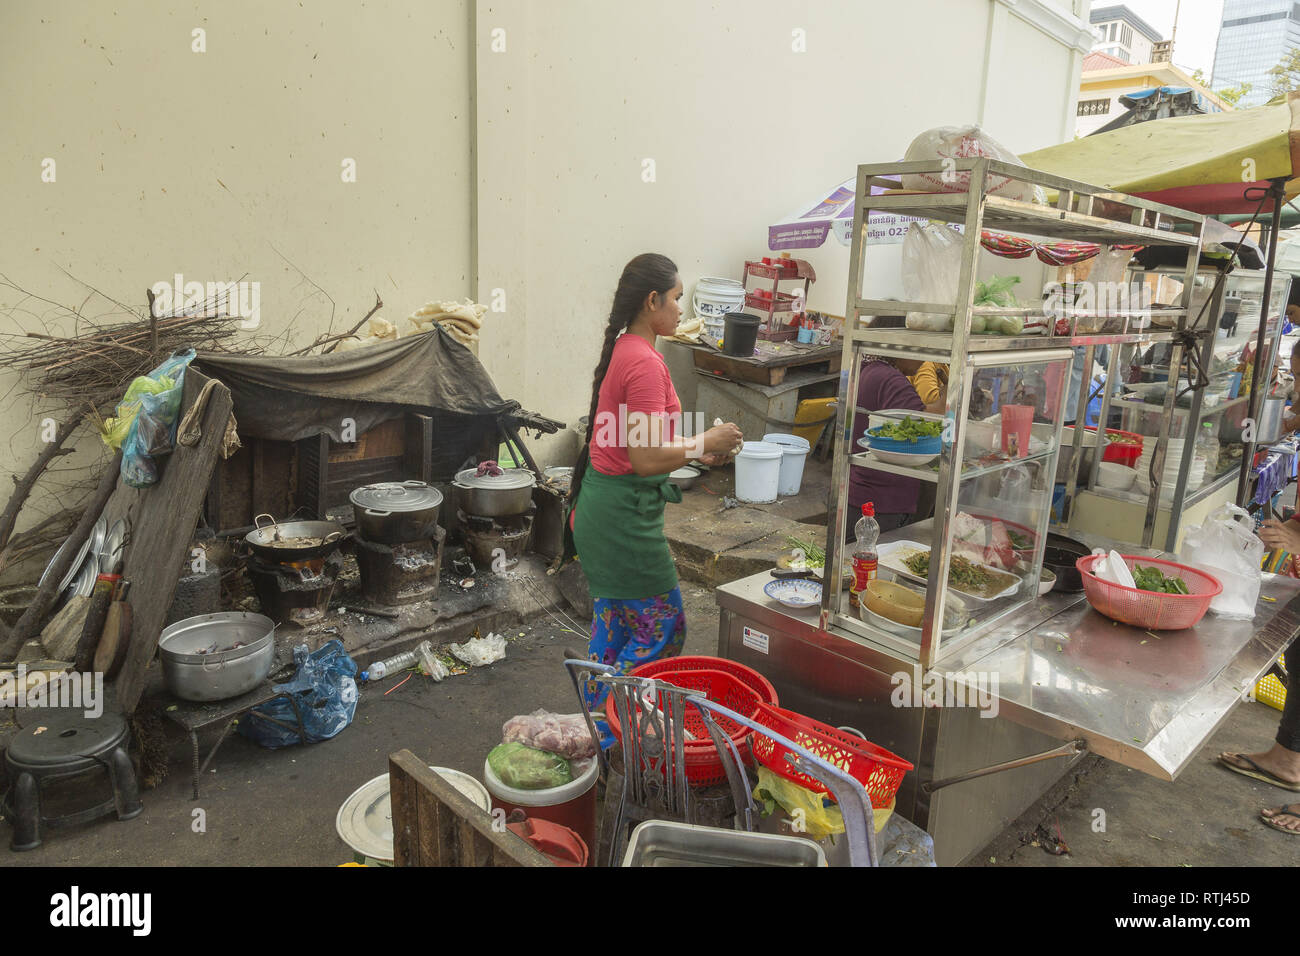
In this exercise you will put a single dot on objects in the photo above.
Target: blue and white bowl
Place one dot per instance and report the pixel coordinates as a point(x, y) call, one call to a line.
point(798, 593)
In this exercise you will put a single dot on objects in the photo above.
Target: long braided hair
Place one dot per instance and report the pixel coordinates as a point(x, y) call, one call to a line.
point(648, 272)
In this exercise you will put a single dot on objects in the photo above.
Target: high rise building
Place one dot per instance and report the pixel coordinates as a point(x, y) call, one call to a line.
point(1254, 36)
point(1119, 32)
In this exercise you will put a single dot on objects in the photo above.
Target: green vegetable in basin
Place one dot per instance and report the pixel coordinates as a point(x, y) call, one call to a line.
point(909, 429)
point(1151, 579)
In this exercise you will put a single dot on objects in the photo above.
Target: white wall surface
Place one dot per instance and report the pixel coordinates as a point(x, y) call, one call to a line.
point(741, 130)
point(168, 160)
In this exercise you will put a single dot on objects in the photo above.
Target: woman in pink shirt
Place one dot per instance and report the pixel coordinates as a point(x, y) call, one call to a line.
point(634, 440)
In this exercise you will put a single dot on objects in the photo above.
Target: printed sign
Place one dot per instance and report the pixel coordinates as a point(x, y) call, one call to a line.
point(756, 640)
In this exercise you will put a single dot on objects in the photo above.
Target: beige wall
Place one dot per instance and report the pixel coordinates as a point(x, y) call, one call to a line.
point(741, 129)
point(142, 129)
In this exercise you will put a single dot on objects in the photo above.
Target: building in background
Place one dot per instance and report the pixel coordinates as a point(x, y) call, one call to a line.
point(1105, 79)
point(1122, 34)
point(1254, 36)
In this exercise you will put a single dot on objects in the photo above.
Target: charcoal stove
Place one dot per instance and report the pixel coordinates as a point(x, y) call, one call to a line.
point(394, 574)
point(506, 536)
point(295, 592)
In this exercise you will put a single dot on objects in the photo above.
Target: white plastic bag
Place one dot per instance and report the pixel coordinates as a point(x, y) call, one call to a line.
point(1230, 551)
point(931, 263)
point(481, 650)
point(963, 142)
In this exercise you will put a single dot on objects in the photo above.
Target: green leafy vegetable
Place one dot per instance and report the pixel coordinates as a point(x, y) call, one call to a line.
point(909, 429)
point(1152, 579)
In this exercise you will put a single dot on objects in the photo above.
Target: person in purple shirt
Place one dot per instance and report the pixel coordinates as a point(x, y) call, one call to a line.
point(883, 384)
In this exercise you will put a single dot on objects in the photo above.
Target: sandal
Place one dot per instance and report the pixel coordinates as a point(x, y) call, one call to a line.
point(1257, 772)
point(1292, 811)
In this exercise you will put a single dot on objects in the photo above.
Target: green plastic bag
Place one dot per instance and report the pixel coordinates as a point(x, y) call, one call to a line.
point(817, 815)
point(996, 290)
point(525, 768)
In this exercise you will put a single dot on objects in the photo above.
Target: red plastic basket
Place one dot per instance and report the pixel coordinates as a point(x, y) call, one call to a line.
point(703, 765)
point(746, 675)
point(1149, 609)
point(878, 770)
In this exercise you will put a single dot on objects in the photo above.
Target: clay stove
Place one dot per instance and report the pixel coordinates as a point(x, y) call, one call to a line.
point(295, 592)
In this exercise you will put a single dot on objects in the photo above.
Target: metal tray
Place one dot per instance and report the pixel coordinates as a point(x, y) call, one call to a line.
point(890, 557)
point(665, 843)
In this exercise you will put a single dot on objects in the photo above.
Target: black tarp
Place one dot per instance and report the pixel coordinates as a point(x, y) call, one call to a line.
point(290, 398)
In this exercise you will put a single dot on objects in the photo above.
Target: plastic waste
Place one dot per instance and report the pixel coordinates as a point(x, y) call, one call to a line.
point(481, 650)
point(421, 655)
point(325, 692)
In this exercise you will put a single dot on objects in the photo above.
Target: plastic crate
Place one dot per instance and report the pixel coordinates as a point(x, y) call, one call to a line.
point(1271, 691)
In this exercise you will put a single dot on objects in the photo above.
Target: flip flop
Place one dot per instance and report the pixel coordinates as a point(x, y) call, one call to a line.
point(1259, 773)
point(1272, 821)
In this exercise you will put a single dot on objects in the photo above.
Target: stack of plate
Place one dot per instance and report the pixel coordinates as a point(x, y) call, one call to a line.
point(1173, 461)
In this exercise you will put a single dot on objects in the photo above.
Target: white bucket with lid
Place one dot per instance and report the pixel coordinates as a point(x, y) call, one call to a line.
point(758, 472)
point(715, 297)
point(794, 451)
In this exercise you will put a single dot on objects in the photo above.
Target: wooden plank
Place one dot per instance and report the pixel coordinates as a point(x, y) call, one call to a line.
point(417, 457)
point(161, 521)
point(434, 824)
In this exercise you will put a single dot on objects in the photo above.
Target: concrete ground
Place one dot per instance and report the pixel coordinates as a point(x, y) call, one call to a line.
point(264, 807)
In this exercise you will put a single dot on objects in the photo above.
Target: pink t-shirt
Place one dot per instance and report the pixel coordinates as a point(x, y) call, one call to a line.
point(637, 381)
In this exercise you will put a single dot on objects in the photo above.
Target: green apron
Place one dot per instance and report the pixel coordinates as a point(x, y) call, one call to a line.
point(619, 535)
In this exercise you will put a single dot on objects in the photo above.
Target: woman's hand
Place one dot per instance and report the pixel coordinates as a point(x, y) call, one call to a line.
point(1284, 535)
point(721, 440)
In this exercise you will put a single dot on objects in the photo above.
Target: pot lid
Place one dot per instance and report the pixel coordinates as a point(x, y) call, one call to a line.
point(509, 480)
point(365, 820)
point(396, 496)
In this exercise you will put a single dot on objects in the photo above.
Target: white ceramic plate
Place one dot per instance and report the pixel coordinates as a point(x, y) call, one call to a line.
point(798, 593)
point(906, 459)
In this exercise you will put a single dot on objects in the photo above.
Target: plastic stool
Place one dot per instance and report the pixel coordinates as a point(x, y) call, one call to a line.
point(59, 745)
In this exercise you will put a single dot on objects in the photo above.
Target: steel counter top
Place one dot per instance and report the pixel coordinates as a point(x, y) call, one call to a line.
point(1146, 700)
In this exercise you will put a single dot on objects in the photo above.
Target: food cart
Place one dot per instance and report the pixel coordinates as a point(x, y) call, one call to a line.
point(1000, 688)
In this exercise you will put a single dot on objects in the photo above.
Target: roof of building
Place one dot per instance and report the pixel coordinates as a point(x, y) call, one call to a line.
point(1122, 12)
point(1101, 61)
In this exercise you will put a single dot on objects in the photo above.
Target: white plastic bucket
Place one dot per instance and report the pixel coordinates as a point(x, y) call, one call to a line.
point(715, 297)
point(794, 451)
point(758, 472)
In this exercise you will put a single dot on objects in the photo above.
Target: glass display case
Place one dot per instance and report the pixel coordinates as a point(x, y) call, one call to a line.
point(989, 529)
point(970, 551)
point(1201, 433)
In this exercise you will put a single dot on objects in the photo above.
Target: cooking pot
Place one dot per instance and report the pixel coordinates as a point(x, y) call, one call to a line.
point(283, 541)
point(510, 493)
point(1059, 557)
point(395, 512)
point(217, 656)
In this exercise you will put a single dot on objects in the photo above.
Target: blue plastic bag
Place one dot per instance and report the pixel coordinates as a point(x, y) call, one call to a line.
point(325, 690)
point(153, 432)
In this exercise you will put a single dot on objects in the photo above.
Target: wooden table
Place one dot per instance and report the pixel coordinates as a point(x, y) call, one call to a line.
point(770, 365)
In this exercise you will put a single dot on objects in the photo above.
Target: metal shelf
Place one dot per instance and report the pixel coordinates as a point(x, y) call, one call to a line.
point(941, 342)
point(866, 459)
point(1031, 219)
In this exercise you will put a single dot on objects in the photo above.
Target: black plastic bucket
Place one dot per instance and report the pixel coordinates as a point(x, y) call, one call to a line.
point(740, 333)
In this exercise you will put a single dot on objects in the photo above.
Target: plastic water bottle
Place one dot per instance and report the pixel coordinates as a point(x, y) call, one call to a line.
point(865, 560)
point(381, 669)
point(1207, 447)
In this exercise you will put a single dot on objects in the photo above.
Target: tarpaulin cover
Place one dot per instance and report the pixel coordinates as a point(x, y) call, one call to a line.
point(1212, 163)
point(289, 398)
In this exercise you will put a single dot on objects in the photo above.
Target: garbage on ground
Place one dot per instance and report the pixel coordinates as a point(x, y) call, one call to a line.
point(325, 692)
point(526, 768)
point(563, 734)
point(481, 650)
point(818, 816)
point(420, 656)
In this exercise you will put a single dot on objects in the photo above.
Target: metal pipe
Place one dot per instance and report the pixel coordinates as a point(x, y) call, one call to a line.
point(1065, 750)
point(1259, 389)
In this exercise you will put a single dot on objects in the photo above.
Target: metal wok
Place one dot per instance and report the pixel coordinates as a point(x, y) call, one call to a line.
point(287, 541)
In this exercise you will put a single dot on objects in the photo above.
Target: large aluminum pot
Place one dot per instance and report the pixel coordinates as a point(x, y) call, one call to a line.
point(510, 493)
point(395, 512)
point(217, 656)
